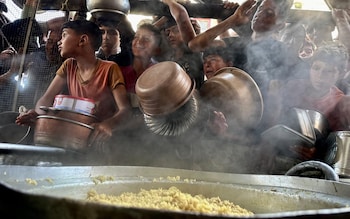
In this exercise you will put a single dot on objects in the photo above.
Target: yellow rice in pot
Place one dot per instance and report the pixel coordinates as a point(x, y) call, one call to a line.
point(171, 199)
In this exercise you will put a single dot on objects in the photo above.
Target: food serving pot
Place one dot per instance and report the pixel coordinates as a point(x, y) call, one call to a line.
point(61, 132)
point(85, 118)
point(60, 192)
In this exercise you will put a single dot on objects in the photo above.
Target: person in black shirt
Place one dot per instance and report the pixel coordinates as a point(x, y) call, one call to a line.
point(111, 48)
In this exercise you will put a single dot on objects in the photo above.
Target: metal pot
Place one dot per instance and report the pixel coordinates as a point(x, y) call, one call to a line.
point(115, 6)
point(342, 153)
point(70, 114)
point(61, 192)
point(61, 132)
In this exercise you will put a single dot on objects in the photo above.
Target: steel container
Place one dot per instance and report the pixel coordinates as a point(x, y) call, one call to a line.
point(61, 192)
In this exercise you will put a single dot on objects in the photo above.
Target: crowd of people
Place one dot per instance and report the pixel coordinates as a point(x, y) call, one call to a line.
point(102, 59)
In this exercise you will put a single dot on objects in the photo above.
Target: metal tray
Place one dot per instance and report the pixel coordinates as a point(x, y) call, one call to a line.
point(61, 192)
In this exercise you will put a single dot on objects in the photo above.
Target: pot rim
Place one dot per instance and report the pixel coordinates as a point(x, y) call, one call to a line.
point(108, 10)
point(66, 120)
point(54, 109)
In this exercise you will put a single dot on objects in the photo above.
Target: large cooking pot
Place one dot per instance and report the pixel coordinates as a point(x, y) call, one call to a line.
point(70, 114)
point(61, 132)
point(60, 192)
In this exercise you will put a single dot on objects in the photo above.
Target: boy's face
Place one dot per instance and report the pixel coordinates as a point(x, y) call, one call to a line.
point(266, 17)
point(174, 36)
point(212, 63)
point(68, 43)
point(110, 38)
point(323, 75)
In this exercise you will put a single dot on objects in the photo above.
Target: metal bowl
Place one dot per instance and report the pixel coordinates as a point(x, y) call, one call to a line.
point(235, 93)
point(116, 6)
point(299, 120)
point(319, 123)
point(342, 158)
point(163, 88)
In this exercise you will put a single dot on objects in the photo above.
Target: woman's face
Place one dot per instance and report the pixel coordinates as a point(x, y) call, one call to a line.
point(323, 75)
point(145, 44)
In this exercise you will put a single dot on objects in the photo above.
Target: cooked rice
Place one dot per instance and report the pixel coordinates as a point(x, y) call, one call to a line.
point(171, 199)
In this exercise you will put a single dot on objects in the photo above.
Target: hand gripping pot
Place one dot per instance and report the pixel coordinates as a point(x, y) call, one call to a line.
point(235, 93)
point(163, 88)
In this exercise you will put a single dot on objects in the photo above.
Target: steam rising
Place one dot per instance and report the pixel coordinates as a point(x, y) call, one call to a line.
point(154, 145)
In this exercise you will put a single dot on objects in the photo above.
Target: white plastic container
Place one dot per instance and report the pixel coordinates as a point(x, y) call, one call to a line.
point(76, 104)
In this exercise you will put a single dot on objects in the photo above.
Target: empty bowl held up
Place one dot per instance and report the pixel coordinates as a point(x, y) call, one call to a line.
point(235, 93)
point(163, 88)
point(320, 124)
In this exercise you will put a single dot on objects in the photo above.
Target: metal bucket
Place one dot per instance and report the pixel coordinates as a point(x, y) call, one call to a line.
point(61, 132)
point(342, 159)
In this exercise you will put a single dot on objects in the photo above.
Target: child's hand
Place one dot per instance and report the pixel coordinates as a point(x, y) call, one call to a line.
point(28, 118)
point(100, 136)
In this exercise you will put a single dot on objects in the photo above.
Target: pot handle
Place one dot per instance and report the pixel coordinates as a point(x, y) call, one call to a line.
point(302, 167)
point(66, 120)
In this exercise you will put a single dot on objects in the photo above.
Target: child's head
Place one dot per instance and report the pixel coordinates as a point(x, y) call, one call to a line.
point(328, 64)
point(333, 53)
point(215, 57)
point(147, 41)
point(271, 15)
point(86, 27)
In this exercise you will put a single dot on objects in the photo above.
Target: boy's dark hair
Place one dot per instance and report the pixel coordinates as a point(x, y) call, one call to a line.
point(334, 53)
point(107, 23)
point(86, 27)
point(221, 51)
